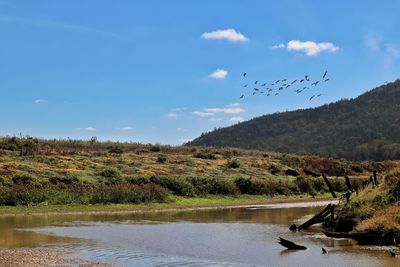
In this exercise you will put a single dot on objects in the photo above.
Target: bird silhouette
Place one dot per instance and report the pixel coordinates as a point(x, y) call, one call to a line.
point(256, 89)
point(244, 74)
point(324, 251)
point(319, 95)
point(325, 73)
point(245, 85)
point(270, 90)
point(302, 80)
point(326, 80)
point(305, 87)
point(242, 96)
point(276, 94)
point(264, 84)
point(312, 97)
point(294, 81)
point(255, 82)
point(254, 93)
point(284, 80)
point(277, 81)
point(315, 83)
point(287, 86)
point(268, 94)
point(306, 78)
point(280, 88)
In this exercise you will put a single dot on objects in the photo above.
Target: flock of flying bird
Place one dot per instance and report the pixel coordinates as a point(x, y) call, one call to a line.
point(283, 84)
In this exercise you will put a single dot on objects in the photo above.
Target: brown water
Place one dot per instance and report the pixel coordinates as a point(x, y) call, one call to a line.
point(223, 237)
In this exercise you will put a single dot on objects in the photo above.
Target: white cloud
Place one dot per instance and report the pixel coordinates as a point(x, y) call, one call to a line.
point(311, 48)
point(372, 42)
point(236, 119)
point(227, 110)
point(229, 34)
point(52, 24)
point(88, 129)
point(41, 101)
point(215, 119)
point(127, 128)
point(178, 109)
point(172, 115)
point(393, 50)
point(203, 114)
point(182, 130)
point(219, 74)
point(278, 46)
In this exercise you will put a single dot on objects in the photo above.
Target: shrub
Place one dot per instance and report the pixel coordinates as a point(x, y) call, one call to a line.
point(155, 148)
point(115, 150)
point(23, 179)
point(67, 179)
point(245, 185)
point(304, 184)
point(178, 185)
point(233, 164)
point(205, 155)
point(139, 180)
point(111, 176)
point(162, 158)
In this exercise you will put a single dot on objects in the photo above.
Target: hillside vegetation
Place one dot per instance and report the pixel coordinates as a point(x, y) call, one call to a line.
point(34, 171)
point(367, 127)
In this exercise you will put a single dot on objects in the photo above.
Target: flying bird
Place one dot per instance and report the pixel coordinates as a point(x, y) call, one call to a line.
point(256, 89)
point(294, 81)
point(306, 77)
point(269, 90)
point(245, 85)
point(264, 84)
point(326, 72)
point(324, 251)
point(244, 74)
point(315, 83)
point(255, 82)
point(302, 80)
point(241, 96)
point(319, 95)
point(276, 94)
point(305, 87)
point(326, 80)
point(280, 88)
point(284, 80)
point(277, 81)
point(312, 97)
point(254, 93)
point(287, 86)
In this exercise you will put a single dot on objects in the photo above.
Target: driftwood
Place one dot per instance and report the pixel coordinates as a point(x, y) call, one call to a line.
point(329, 186)
point(317, 218)
point(289, 244)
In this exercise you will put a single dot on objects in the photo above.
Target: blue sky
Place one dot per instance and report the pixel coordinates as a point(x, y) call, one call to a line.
point(166, 71)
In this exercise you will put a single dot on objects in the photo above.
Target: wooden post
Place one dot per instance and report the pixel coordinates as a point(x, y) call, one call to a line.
point(329, 185)
point(375, 178)
point(349, 186)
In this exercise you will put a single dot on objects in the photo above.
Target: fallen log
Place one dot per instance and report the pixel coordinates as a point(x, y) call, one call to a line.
point(317, 218)
point(329, 185)
point(289, 244)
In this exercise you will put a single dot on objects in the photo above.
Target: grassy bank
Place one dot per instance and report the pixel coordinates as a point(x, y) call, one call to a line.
point(175, 202)
point(375, 209)
point(48, 173)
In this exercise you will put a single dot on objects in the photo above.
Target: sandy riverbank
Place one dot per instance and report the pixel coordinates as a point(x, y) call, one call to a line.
point(35, 257)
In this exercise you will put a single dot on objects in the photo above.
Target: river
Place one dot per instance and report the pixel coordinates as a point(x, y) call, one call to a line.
point(245, 236)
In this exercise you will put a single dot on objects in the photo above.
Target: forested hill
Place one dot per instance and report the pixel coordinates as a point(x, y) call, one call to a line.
point(367, 127)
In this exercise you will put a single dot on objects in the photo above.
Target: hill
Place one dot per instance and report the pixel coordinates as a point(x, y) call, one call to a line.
point(367, 127)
